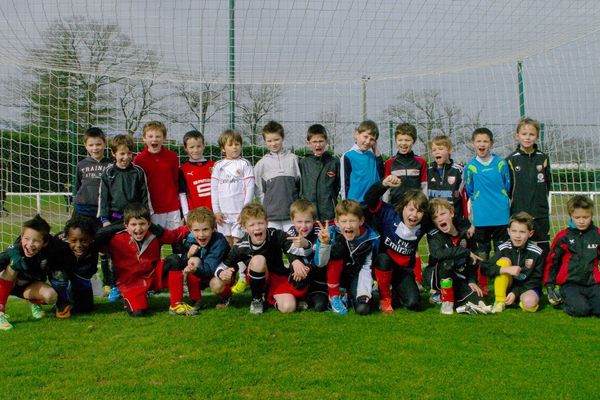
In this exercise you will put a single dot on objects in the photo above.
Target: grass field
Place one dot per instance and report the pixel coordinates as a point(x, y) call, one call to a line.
point(232, 354)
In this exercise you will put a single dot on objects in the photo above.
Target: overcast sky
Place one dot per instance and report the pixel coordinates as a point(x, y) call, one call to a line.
point(320, 50)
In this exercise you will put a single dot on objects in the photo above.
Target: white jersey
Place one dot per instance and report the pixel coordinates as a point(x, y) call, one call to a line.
point(231, 185)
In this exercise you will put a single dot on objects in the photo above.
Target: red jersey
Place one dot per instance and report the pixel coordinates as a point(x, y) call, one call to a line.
point(162, 175)
point(135, 263)
point(195, 183)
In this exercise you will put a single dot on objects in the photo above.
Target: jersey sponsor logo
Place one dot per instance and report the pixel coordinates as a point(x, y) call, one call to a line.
point(331, 174)
point(540, 178)
point(529, 263)
point(451, 180)
point(593, 246)
point(403, 247)
point(406, 172)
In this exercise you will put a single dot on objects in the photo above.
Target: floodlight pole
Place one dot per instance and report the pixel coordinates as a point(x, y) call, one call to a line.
point(232, 64)
point(364, 79)
point(521, 89)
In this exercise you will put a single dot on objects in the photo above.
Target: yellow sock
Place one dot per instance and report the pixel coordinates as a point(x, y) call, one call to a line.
point(532, 309)
point(500, 285)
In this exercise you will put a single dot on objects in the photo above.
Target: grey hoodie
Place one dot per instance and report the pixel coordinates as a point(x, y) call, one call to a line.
point(277, 178)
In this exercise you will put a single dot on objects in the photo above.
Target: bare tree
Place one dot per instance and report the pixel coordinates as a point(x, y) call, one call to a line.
point(431, 114)
point(332, 122)
point(137, 101)
point(67, 83)
point(203, 101)
point(255, 102)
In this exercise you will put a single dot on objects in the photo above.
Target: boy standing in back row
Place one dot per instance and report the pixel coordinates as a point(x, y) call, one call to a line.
point(319, 174)
point(530, 180)
point(277, 178)
point(161, 166)
point(362, 165)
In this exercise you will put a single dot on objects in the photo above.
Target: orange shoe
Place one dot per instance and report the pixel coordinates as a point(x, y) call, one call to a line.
point(385, 306)
point(64, 313)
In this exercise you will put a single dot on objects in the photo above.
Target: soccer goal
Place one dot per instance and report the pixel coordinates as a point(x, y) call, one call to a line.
point(446, 66)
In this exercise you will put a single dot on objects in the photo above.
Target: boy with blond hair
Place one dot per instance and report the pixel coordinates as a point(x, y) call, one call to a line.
point(347, 250)
point(362, 165)
point(453, 261)
point(531, 180)
point(161, 166)
point(261, 250)
point(573, 262)
point(445, 177)
point(203, 251)
point(277, 177)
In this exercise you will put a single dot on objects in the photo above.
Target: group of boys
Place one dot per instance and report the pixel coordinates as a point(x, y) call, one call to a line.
point(334, 249)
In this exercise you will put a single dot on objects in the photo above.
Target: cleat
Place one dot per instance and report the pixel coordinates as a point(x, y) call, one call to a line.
point(466, 309)
point(480, 308)
point(385, 306)
point(183, 310)
point(240, 287)
point(223, 303)
point(4, 324)
point(197, 305)
point(256, 306)
point(37, 311)
point(337, 305)
point(64, 313)
point(138, 313)
point(554, 296)
point(301, 305)
point(113, 294)
point(435, 298)
point(447, 308)
point(498, 307)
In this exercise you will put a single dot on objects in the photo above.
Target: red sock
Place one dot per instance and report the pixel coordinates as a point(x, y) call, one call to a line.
point(447, 294)
point(175, 287)
point(418, 270)
point(5, 288)
point(483, 282)
point(226, 293)
point(334, 273)
point(384, 280)
point(193, 284)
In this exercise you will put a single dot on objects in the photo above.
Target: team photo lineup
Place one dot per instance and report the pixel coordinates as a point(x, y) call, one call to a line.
point(317, 232)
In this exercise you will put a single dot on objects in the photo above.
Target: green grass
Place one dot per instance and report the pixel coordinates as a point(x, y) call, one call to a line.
point(232, 354)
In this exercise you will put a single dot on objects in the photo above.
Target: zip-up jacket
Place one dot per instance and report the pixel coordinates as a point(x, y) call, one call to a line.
point(119, 187)
point(357, 256)
point(397, 240)
point(574, 257)
point(528, 257)
point(135, 263)
point(277, 182)
point(320, 183)
point(453, 251)
point(449, 185)
point(87, 185)
point(530, 180)
point(359, 169)
point(211, 255)
point(412, 171)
